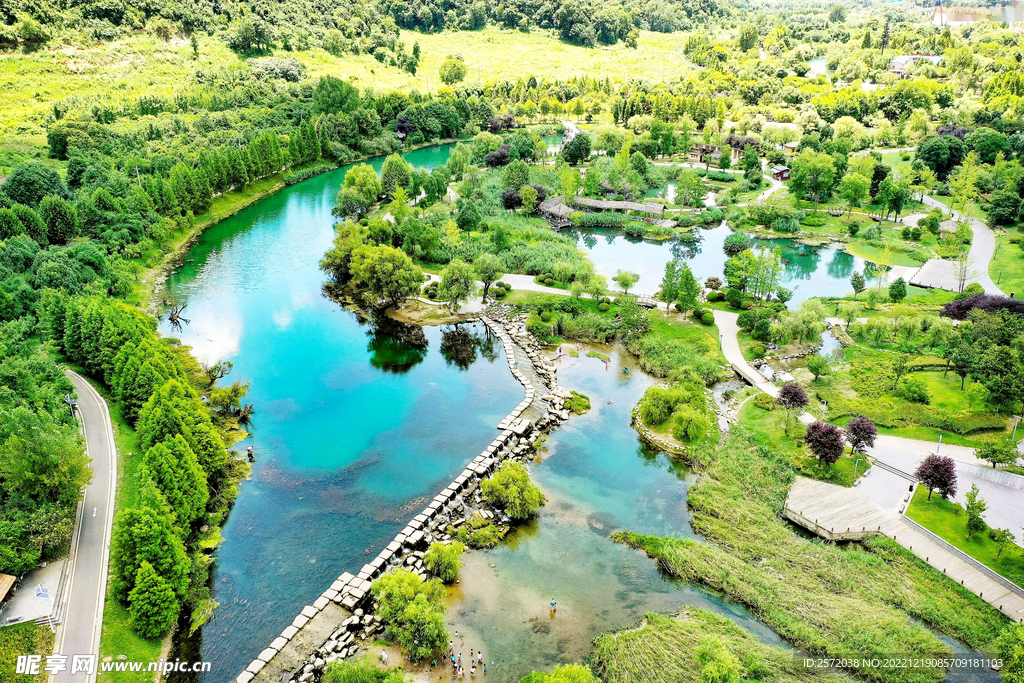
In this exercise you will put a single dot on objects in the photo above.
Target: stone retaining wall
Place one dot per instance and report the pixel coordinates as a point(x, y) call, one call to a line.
point(331, 627)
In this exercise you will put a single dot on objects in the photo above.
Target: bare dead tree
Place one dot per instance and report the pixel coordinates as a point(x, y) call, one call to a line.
point(175, 317)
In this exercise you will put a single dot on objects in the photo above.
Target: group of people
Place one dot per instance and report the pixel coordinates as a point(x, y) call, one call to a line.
point(457, 669)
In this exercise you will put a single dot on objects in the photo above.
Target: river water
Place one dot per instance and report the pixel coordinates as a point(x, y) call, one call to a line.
point(359, 423)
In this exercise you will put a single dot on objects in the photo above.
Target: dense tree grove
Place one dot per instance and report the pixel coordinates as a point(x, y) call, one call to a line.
point(186, 480)
point(348, 26)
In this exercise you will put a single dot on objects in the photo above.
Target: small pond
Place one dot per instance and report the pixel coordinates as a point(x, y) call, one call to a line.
point(809, 271)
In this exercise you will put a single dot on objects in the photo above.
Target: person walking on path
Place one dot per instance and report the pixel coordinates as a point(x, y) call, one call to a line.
point(554, 606)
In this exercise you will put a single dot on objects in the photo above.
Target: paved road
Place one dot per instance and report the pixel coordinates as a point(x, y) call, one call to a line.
point(983, 247)
point(79, 633)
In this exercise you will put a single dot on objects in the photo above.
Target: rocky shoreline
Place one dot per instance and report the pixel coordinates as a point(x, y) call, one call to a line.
point(340, 622)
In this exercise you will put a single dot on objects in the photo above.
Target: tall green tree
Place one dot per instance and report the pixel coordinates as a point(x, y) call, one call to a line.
point(395, 173)
point(813, 174)
point(458, 284)
point(176, 472)
point(669, 290)
point(488, 269)
point(60, 218)
point(388, 273)
point(152, 606)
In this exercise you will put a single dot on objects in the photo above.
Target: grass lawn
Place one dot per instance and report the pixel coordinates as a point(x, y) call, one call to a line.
point(670, 326)
point(1007, 266)
point(895, 160)
point(870, 252)
point(768, 429)
point(23, 639)
point(948, 521)
point(119, 639)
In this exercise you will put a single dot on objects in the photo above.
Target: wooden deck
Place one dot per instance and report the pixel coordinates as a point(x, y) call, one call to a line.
point(837, 513)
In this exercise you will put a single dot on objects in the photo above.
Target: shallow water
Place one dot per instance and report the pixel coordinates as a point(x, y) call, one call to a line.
point(809, 271)
point(598, 478)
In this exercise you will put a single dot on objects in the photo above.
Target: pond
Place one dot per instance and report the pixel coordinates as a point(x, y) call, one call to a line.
point(819, 66)
point(809, 271)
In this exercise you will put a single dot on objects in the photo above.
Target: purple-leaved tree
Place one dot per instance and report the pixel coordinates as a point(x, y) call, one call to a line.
point(825, 441)
point(938, 473)
point(860, 434)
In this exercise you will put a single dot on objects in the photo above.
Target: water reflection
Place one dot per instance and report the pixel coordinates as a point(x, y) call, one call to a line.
point(459, 345)
point(826, 269)
point(395, 346)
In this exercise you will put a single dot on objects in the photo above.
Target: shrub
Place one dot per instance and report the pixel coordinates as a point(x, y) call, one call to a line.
point(578, 403)
point(444, 560)
point(511, 489)
point(736, 243)
point(905, 156)
point(546, 316)
point(764, 401)
point(714, 296)
point(679, 307)
point(991, 303)
point(603, 306)
point(708, 318)
point(758, 350)
point(656, 408)
point(689, 424)
point(915, 391)
point(734, 298)
point(762, 328)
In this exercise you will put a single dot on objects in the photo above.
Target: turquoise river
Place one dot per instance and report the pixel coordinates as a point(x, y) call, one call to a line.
point(359, 422)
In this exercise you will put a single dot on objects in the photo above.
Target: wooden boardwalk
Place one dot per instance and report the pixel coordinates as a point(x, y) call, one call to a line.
point(837, 513)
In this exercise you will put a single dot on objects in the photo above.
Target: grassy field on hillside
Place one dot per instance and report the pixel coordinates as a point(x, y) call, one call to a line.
point(142, 64)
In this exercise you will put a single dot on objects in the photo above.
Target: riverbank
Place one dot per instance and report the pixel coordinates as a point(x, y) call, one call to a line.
point(151, 289)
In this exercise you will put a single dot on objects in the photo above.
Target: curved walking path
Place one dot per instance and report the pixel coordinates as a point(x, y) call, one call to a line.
point(983, 247)
point(79, 634)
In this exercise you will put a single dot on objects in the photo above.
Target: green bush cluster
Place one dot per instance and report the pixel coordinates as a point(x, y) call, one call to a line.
point(764, 401)
point(479, 534)
point(578, 403)
point(510, 489)
point(683, 404)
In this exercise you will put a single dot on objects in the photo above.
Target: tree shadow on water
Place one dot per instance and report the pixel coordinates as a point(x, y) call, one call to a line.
point(395, 346)
point(459, 345)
